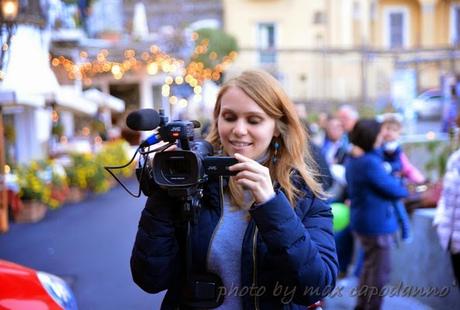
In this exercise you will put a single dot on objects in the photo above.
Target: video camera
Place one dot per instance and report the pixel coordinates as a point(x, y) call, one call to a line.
point(177, 169)
point(182, 173)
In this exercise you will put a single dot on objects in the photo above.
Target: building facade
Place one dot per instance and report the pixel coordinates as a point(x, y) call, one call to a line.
point(346, 50)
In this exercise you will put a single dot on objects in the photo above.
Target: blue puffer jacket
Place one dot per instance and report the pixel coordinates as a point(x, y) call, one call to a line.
point(372, 192)
point(294, 248)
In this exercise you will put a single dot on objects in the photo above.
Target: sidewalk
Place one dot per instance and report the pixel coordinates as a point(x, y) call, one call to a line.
point(342, 299)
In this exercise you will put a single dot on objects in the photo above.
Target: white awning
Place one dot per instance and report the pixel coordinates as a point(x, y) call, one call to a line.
point(68, 98)
point(11, 101)
point(105, 100)
point(27, 72)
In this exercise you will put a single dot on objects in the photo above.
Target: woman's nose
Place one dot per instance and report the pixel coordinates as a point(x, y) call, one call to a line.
point(240, 128)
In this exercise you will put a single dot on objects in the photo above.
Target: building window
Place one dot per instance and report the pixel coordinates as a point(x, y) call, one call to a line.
point(267, 43)
point(396, 28)
point(373, 11)
point(319, 18)
point(455, 25)
point(356, 10)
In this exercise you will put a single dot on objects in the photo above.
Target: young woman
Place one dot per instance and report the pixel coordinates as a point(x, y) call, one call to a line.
point(372, 192)
point(264, 232)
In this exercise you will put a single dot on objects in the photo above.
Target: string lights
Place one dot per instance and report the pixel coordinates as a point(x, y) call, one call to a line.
point(154, 61)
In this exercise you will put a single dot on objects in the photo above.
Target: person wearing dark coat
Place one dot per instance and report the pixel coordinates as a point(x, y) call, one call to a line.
point(372, 192)
point(263, 238)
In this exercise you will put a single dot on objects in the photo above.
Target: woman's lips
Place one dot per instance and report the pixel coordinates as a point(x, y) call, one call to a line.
point(240, 143)
point(240, 146)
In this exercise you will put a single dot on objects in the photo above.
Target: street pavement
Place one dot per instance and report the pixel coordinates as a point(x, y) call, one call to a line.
point(89, 245)
point(342, 298)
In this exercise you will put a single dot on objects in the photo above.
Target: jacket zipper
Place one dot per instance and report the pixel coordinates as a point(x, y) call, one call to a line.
point(221, 191)
point(254, 266)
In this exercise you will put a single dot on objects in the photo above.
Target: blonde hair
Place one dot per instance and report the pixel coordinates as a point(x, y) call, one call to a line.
point(293, 154)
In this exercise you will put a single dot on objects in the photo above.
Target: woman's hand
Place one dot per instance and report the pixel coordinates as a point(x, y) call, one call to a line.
point(171, 148)
point(254, 177)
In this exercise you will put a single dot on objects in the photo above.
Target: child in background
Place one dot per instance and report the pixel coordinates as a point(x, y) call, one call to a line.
point(397, 164)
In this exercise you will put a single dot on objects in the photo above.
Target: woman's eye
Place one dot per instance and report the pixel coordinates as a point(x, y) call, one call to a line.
point(228, 118)
point(254, 121)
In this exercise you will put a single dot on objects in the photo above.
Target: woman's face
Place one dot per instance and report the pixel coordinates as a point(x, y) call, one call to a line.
point(243, 126)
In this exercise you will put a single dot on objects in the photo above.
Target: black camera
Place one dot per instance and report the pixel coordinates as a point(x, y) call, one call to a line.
point(182, 173)
point(187, 167)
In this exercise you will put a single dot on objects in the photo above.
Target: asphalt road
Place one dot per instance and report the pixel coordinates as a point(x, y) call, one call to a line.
point(89, 245)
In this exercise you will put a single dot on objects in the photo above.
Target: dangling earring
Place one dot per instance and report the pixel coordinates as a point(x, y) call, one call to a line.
point(276, 146)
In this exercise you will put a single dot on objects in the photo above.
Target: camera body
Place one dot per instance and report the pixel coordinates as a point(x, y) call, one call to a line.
point(183, 168)
point(182, 173)
point(187, 168)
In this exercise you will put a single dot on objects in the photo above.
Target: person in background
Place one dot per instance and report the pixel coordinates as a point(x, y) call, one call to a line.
point(447, 216)
point(318, 129)
point(402, 169)
point(324, 176)
point(266, 227)
point(348, 116)
point(334, 147)
point(392, 124)
point(372, 193)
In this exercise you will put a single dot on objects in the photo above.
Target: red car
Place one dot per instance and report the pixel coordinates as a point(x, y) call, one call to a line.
point(22, 288)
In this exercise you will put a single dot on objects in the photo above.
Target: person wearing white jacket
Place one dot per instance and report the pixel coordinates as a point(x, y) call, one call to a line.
point(447, 217)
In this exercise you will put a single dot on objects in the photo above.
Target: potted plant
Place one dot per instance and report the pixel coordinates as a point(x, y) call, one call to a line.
point(85, 173)
point(57, 183)
point(33, 193)
point(77, 179)
point(98, 178)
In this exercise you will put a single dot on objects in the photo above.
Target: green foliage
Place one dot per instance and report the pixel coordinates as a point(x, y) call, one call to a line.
point(98, 127)
point(86, 172)
point(440, 152)
point(438, 157)
point(220, 42)
point(115, 153)
point(41, 180)
point(31, 186)
point(367, 111)
point(10, 133)
point(57, 129)
point(312, 117)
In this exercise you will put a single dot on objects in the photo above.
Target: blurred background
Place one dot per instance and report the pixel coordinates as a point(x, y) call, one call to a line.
point(71, 70)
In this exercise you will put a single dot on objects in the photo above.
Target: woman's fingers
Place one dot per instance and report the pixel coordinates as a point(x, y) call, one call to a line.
point(242, 158)
point(254, 177)
point(171, 148)
point(245, 174)
point(246, 163)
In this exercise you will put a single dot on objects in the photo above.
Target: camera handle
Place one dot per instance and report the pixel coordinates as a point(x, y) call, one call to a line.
point(200, 290)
